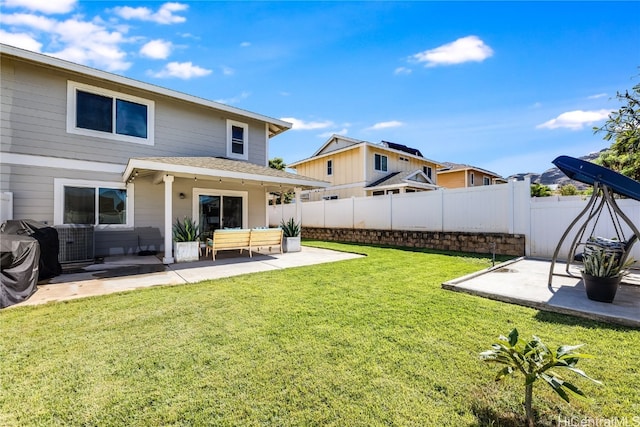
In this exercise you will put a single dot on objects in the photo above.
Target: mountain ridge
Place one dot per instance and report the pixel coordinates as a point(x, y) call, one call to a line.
point(554, 176)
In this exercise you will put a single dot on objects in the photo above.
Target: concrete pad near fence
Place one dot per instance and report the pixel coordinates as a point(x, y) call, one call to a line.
point(525, 282)
point(118, 274)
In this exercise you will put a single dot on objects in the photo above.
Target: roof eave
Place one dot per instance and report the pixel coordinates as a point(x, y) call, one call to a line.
point(276, 126)
point(142, 164)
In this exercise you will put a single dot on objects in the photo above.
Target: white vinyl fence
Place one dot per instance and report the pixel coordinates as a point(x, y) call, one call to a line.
point(506, 208)
point(550, 217)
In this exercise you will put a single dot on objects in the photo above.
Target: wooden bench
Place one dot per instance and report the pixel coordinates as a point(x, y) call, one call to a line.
point(241, 239)
point(238, 239)
point(266, 238)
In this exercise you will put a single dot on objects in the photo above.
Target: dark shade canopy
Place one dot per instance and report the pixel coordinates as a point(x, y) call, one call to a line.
point(589, 173)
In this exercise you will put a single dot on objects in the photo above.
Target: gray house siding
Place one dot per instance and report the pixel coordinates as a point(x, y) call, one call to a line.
point(34, 108)
point(37, 149)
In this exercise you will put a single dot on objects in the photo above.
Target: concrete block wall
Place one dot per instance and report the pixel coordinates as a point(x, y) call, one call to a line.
point(483, 243)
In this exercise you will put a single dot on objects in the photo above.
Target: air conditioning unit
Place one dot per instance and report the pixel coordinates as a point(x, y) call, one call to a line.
point(77, 243)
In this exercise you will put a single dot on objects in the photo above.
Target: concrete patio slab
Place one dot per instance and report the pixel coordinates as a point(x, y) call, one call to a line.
point(525, 282)
point(118, 274)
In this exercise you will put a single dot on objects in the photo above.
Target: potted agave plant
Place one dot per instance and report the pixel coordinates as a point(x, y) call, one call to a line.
point(186, 240)
point(602, 272)
point(291, 235)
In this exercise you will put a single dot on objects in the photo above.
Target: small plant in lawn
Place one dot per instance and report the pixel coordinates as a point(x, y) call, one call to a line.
point(535, 360)
point(290, 228)
point(186, 230)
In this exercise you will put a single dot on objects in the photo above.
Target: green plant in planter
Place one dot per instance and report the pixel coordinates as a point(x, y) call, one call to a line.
point(600, 262)
point(290, 228)
point(602, 272)
point(535, 360)
point(186, 230)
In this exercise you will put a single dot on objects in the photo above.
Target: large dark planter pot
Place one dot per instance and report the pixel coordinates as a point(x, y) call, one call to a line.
point(601, 289)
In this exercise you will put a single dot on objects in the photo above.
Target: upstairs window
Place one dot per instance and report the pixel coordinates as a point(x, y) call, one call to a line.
point(329, 167)
point(380, 162)
point(427, 171)
point(98, 112)
point(473, 179)
point(486, 181)
point(237, 140)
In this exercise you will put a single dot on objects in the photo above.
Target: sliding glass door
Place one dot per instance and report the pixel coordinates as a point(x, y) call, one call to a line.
point(216, 210)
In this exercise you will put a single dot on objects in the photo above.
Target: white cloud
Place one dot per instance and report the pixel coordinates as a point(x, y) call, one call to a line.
point(235, 99)
point(465, 49)
point(245, 44)
point(35, 22)
point(302, 125)
point(386, 125)
point(164, 15)
point(575, 120)
point(21, 40)
point(90, 43)
point(342, 132)
point(402, 71)
point(84, 42)
point(597, 96)
point(156, 49)
point(43, 6)
point(182, 70)
point(228, 71)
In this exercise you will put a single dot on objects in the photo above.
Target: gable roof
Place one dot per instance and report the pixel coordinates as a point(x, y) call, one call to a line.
point(455, 167)
point(332, 138)
point(276, 126)
point(352, 143)
point(413, 178)
point(403, 148)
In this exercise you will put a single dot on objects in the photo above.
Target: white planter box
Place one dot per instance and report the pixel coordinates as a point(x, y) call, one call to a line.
point(291, 244)
point(186, 251)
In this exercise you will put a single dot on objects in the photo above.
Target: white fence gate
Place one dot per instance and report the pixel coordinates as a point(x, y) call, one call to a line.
point(550, 217)
point(504, 208)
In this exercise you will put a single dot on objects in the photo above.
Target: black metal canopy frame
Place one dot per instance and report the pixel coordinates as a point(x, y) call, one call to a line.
point(605, 182)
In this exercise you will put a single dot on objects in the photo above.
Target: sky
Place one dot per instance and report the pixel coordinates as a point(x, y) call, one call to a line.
point(504, 86)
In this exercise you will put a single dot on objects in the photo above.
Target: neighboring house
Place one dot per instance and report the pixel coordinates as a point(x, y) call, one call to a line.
point(357, 168)
point(454, 175)
point(86, 149)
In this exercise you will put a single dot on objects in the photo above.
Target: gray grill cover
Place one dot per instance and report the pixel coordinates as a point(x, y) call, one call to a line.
point(19, 257)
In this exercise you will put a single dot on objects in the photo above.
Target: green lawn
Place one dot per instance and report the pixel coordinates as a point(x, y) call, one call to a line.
point(366, 342)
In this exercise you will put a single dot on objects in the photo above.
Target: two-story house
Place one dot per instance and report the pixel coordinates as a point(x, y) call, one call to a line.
point(357, 168)
point(455, 175)
point(83, 148)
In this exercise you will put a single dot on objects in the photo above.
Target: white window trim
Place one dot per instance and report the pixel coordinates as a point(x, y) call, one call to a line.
point(381, 156)
point(197, 192)
point(230, 153)
point(58, 199)
point(72, 87)
point(472, 178)
point(428, 172)
point(330, 161)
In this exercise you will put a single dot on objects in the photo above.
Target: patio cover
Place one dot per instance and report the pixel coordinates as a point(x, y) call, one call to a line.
point(219, 168)
point(166, 169)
